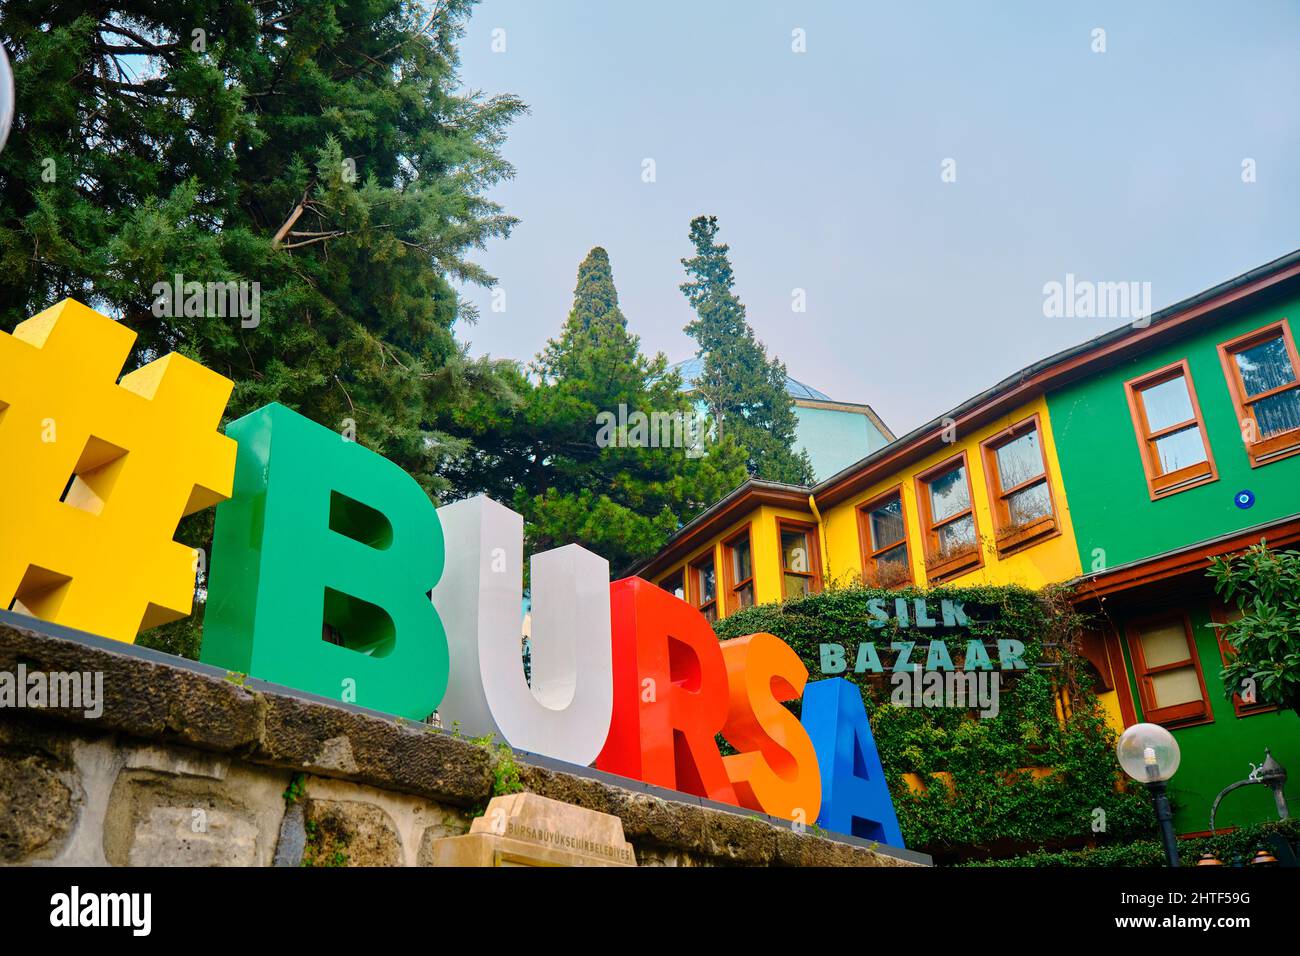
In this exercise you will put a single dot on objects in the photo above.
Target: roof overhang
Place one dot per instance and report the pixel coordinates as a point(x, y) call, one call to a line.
point(1055, 372)
point(855, 408)
point(1191, 559)
point(753, 493)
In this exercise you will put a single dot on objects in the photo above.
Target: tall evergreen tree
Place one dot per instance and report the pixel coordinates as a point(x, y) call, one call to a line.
point(595, 343)
point(743, 389)
point(620, 501)
point(319, 148)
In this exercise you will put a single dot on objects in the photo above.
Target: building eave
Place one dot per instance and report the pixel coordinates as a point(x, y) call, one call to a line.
point(1053, 372)
point(856, 408)
point(750, 494)
point(1191, 558)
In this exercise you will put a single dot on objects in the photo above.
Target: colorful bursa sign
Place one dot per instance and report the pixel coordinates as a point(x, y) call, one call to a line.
point(332, 572)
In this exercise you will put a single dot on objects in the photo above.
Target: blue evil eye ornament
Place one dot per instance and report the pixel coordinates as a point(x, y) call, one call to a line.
point(1244, 498)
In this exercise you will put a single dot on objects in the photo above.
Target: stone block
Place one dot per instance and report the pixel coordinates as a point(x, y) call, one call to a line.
point(525, 829)
point(738, 839)
point(147, 700)
point(193, 836)
point(36, 803)
point(350, 833)
point(332, 741)
point(171, 817)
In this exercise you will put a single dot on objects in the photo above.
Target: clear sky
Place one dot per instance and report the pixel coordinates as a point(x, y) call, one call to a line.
point(824, 168)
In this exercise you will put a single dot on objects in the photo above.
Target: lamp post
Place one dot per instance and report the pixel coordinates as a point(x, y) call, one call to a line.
point(1149, 754)
point(6, 97)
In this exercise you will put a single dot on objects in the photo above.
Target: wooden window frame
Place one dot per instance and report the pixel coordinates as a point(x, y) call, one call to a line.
point(1193, 476)
point(943, 569)
point(1007, 538)
point(732, 586)
point(1262, 451)
point(696, 591)
point(1115, 655)
point(1219, 614)
point(870, 575)
point(668, 580)
point(814, 573)
point(1177, 715)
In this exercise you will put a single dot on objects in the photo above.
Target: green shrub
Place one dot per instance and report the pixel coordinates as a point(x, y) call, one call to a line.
point(1265, 586)
point(1237, 847)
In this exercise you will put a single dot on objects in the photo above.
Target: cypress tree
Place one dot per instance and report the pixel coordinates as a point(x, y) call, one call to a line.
point(743, 389)
point(584, 485)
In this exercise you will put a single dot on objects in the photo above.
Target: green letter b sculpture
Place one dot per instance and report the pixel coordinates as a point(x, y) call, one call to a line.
point(322, 564)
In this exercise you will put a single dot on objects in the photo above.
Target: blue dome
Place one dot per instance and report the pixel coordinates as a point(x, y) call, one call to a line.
point(690, 370)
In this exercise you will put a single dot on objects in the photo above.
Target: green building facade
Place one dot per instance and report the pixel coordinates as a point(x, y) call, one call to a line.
point(1168, 457)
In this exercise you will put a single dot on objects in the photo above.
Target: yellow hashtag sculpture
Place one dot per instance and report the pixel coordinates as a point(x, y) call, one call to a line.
point(96, 474)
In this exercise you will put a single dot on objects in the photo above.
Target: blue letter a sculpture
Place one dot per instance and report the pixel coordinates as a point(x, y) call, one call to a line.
point(855, 798)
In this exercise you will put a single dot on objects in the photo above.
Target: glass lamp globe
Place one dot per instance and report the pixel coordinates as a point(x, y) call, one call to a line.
point(6, 97)
point(1148, 753)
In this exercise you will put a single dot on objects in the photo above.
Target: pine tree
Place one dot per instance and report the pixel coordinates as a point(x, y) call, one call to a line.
point(319, 148)
point(744, 391)
point(620, 502)
point(594, 345)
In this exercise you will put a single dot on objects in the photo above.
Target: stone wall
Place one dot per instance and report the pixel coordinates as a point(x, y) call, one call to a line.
point(187, 767)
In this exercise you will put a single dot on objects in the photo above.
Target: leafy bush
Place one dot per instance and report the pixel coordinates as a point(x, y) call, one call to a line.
point(1237, 847)
point(1265, 586)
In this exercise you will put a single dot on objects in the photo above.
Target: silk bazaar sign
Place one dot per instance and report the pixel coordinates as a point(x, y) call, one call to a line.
point(333, 573)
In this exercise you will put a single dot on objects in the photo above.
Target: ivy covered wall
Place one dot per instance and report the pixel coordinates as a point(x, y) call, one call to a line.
point(1041, 773)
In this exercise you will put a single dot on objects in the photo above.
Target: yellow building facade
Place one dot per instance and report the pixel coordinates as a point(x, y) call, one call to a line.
point(778, 541)
point(983, 504)
point(1046, 556)
point(742, 563)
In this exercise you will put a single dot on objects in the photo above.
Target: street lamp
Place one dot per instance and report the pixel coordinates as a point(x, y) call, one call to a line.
point(1149, 754)
point(6, 97)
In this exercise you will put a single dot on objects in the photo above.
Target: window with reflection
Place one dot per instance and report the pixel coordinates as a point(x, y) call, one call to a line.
point(740, 572)
point(1016, 469)
point(1261, 368)
point(884, 541)
point(1171, 433)
point(800, 562)
point(704, 587)
point(948, 520)
point(675, 584)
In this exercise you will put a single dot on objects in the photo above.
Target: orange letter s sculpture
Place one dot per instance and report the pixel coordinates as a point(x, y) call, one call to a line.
point(776, 771)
